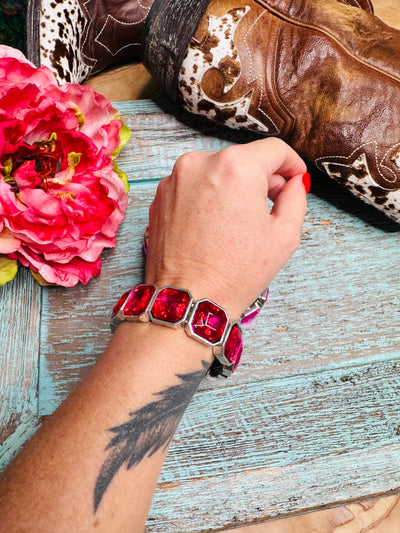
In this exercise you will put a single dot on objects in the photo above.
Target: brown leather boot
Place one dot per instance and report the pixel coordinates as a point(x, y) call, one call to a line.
point(78, 38)
point(320, 74)
point(363, 4)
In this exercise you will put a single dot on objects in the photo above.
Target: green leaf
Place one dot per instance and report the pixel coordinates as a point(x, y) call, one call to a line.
point(124, 136)
point(122, 176)
point(8, 269)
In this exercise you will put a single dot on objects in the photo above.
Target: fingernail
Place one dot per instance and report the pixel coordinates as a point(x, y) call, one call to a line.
point(306, 182)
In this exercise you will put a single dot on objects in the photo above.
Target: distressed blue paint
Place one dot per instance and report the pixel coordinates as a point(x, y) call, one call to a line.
point(311, 417)
point(159, 138)
point(49, 397)
point(19, 341)
point(249, 497)
point(281, 422)
point(26, 427)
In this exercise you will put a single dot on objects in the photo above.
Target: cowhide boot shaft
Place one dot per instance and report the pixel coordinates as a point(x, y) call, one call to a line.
point(322, 75)
point(77, 39)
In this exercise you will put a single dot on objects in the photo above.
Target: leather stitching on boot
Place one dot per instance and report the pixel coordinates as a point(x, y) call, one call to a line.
point(359, 172)
point(208, 55)
point(111, 23)
point(115, 22)
point(78, 39)
point(357, 54)
point(250, 55)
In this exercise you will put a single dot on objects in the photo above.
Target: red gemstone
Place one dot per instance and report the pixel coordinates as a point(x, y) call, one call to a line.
point(209, 321)
point(171, 305)
point(234, 346)
point(118, 305)
point(138, 300)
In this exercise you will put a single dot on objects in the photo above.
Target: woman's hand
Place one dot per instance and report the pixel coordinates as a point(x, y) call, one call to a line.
point(211, 230)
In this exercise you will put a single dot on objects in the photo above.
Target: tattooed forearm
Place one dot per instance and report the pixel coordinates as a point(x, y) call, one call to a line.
point(148, 429)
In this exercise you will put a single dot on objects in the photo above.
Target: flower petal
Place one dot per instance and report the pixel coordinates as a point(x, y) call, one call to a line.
point(8, 242)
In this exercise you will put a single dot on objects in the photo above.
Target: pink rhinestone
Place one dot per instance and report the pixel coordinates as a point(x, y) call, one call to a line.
point(170, 305)
point(251, 316)
point(118, 305)
point(209, 321)
point(234, 346)
point(138, 300)
point(251, 312)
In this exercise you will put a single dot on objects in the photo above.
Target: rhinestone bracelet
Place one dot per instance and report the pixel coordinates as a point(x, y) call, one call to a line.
point(202, 320)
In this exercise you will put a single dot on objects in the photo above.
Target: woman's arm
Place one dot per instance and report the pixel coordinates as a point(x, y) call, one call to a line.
point(94, 463)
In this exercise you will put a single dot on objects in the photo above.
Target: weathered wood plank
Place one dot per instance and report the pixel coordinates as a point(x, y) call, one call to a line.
point(19, 341)
point(280, 446)
point(161, 132)
point(310, 417)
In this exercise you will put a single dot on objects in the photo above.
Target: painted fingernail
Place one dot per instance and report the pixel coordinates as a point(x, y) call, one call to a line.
point(306, 182)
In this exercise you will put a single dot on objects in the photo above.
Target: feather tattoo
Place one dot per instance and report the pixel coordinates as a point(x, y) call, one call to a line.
point(149, 429)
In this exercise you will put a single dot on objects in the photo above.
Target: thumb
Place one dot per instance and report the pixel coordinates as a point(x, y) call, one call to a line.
point(290, 205)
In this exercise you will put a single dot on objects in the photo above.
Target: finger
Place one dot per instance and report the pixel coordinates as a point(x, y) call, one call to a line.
point(275, 185)
point(290, 205)
point(274, 156)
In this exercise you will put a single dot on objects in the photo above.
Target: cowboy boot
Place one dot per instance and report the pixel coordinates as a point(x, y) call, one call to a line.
point(363, 4)
point(78, 38)
point(320, 74)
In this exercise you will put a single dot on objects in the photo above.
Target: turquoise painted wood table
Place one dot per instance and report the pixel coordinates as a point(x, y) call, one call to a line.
point(310, 419)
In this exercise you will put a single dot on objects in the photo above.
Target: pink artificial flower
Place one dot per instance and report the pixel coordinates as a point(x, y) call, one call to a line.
point(61, 200)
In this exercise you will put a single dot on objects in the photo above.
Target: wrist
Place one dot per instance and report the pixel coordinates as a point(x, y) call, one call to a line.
point(202, 320)
point(166, 351)
point(210, 290)
point(203, 280)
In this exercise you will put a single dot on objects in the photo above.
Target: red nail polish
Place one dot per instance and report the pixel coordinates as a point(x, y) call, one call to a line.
point(306, 182)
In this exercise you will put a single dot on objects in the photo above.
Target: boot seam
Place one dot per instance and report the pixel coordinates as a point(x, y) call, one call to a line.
point(295, 22)
point(291, 126)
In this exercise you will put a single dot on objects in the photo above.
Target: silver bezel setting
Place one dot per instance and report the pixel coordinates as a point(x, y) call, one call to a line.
point(219, 350)
point(189, 327)
point(173, 325)
point(257, 305)
point(121, 317)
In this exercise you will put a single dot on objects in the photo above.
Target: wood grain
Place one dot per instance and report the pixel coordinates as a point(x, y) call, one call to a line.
point(19, 334)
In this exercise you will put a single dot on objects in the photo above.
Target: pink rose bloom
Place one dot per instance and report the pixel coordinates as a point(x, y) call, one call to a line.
point(61, 200)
